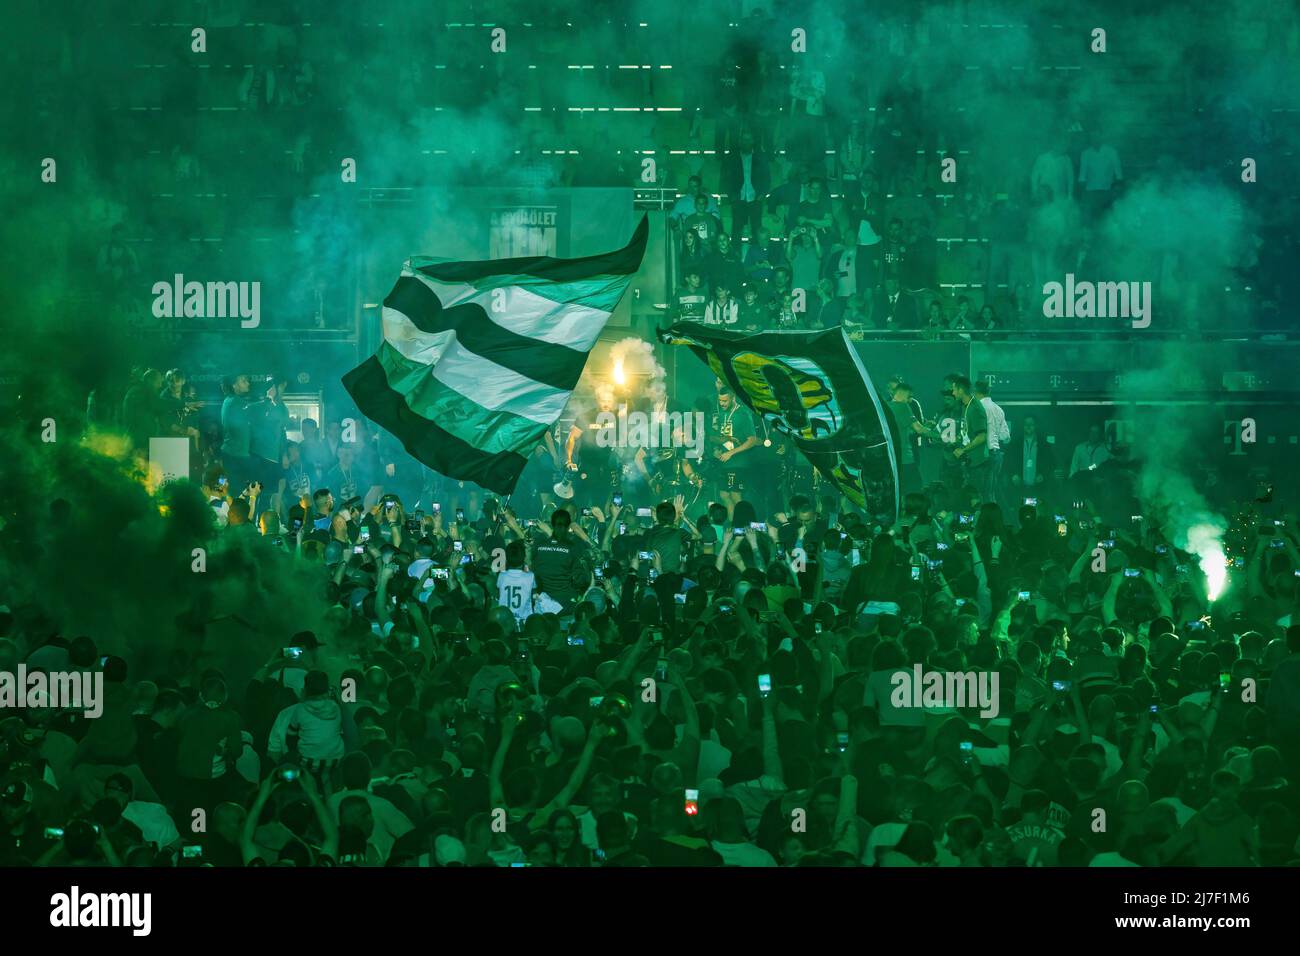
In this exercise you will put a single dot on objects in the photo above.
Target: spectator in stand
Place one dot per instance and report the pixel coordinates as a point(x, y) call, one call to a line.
point(746, 179)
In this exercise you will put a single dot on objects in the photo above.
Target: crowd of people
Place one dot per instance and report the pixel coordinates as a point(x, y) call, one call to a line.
point(827, 162)
point(698, 670)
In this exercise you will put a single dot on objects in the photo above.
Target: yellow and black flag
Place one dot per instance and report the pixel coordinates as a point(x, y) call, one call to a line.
point(812, 387)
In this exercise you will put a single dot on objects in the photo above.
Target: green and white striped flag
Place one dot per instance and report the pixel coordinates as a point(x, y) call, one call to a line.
point(479, 358)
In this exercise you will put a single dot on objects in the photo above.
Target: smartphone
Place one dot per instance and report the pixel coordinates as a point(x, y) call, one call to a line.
point(595, 702)
point(192, 852)
point(654, 573)
point(458, 545)
point(586, 512)
point(618, 498)
point(365, 533)
point(1085, 525)
point(935, 564)
point(442, 574)
point(1136, 519)
point(598, 571)
point(764, 684)
point(817, 627)
point(54, 833)
point(842, 742)
point(1155, 708)
point(739, 532)
point(1108, 543)
point(941, 546)
point(1062, 684)
point(576, 641)
point(295, 524)
point(1238, 562)
point(1062, 528)
point(1162, 549)
point(1196, 625)
point(657, 636)
point(1032, 502)
point(288, 774)
point(292, 653)
point(1277, 543)
point(967, 751)
point(1024, 596)
point(103, 662)
point(679, 597)
point(961, 537)
point(916, 572)
point(645, 555)
point(1279, 523)
point(964, 519)
point(359, 549)
point(460, 514)
point(661, 671)
point(436, 507)
point(758, 525)
point(1225, 681)
point(644, 513)
point(1132, 572)
point(622, 527)
point(692, 802)
point(960, 602)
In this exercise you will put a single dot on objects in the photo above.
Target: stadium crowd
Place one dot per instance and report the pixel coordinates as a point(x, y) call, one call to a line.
point(641, 663)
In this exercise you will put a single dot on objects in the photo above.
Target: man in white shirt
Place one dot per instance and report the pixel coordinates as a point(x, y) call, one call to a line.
point(997, 436)
point(515, 585)
point(1090, 453)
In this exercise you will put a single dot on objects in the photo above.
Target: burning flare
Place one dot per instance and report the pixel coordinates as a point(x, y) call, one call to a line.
point(1206, 542)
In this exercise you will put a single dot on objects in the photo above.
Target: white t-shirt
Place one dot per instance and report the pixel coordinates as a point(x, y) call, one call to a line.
point(998, 433)
point(154, 821)
point(515, 592)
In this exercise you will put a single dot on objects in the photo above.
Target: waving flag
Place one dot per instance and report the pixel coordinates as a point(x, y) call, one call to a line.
point(812, 387)
point(479, 358)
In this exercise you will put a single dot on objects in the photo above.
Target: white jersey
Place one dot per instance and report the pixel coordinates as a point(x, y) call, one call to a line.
point(515, 592)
